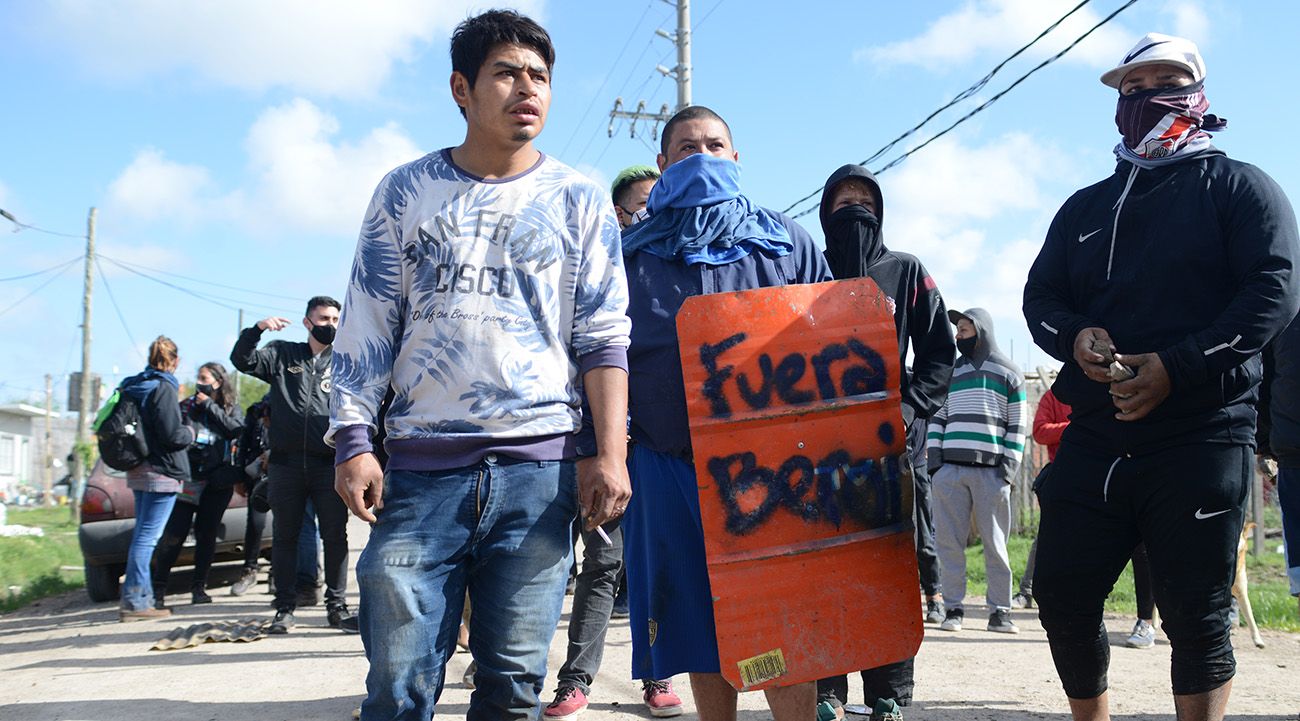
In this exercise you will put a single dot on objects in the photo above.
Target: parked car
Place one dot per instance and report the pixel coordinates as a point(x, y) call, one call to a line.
point(108, 518)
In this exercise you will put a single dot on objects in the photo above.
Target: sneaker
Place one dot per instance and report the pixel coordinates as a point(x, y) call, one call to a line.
point(159, 601)
point(1022, 600)
point(569, 702)
point(282, 622)
point(143, 614)
point(887, 709)
point(620, 609)
point(245, 582)
point(660, 699)
point(308, 596)
point(343, 619)
point(1000, 622)
point(1143, 636)
point(952, 620)
point(933, 612)
point(198, 596)
point(827, 711)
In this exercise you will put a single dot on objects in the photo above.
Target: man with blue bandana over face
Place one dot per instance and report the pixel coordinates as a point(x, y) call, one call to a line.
point(702, 236)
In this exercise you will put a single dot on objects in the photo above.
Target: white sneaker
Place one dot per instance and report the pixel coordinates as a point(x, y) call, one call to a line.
point(1143, 636)
point(952, 620)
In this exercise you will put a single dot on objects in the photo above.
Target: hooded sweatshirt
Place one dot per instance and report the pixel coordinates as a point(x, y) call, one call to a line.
point(1193, 261)
point(855, 248)
point(165, 431)
point(982, 423)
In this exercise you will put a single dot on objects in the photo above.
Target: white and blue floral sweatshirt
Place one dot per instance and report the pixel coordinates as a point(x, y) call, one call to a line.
point(481, 303)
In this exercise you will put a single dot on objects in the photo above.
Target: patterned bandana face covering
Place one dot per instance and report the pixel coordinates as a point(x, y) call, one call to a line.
point(1163, 123)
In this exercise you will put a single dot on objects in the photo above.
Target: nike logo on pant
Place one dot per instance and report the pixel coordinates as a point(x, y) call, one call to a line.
point(1201, 515)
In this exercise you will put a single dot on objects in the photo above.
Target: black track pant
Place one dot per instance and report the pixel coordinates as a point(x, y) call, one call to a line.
point(893, 680)
point(1186, 504)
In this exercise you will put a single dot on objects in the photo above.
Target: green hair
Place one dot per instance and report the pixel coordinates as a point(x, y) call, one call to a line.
point(630, 175)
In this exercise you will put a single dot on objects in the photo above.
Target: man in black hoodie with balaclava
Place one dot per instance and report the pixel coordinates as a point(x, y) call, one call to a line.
point(1156, 287)
point(852, 216)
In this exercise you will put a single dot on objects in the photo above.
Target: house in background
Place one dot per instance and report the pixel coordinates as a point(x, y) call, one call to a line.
point(22, 447)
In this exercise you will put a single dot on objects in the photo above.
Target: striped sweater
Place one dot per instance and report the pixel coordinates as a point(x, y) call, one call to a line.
point(983, 421)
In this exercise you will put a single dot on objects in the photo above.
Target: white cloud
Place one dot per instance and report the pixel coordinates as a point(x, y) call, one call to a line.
point(153, 188)
point(304, 178)
point(1189, 21)
point(301, 177)
point(327, 47)
point(989, 27)
point(975, 215)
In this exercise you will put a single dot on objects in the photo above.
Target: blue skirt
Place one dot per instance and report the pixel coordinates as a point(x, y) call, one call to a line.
point(669, 598)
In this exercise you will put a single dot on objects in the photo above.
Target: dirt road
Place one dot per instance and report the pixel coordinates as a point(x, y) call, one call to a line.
point(68, 660)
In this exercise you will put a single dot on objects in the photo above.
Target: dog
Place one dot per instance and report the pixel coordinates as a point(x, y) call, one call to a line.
point(1239, 587)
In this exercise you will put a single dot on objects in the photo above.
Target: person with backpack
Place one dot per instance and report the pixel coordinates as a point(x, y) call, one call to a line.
point(214, 412)
point(156, 480)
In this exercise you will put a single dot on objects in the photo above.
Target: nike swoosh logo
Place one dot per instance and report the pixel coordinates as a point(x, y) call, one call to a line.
point(1202, 515)
point(1083, 237)
point(1139, 51)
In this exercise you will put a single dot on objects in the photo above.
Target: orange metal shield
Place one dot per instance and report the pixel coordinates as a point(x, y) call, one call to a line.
point(805, 488)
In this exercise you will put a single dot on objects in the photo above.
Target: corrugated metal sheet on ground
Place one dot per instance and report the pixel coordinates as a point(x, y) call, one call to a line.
point(242, 630)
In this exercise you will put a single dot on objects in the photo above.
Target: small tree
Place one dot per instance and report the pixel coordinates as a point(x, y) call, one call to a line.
point(251, 390)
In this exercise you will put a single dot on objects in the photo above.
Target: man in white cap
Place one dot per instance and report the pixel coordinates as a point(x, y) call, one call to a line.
point(1156, 287)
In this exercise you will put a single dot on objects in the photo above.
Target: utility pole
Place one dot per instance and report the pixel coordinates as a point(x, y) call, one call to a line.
point(47, 477)
point(84, 408)
point(681, 73)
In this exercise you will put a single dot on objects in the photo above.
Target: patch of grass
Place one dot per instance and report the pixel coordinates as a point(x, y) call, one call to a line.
point(33, 563)
point(1270, 595)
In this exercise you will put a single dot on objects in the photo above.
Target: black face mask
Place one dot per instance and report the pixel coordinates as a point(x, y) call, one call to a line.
point(852, 241)
point(324, 334)
point(966, 346)
point(206, 389)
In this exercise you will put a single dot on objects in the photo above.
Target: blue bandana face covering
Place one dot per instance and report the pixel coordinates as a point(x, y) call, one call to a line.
point(698, 215)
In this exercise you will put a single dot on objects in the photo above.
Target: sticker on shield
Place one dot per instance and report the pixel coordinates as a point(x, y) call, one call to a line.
point(804, 480)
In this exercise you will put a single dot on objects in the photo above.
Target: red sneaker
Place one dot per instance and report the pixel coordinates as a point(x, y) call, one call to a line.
point(660, 699)
point(569, 702)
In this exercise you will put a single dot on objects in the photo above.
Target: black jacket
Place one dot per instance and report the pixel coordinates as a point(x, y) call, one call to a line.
point(1284, 398)
point(165, 430)
point(214, 429)
point(300, 395)
point(919, 312)
point(1194, 261)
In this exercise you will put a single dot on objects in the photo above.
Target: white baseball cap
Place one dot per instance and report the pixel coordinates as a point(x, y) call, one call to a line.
point(1158, 49)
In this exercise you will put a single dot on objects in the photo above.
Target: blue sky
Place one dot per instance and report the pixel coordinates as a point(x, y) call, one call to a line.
point(238, 142)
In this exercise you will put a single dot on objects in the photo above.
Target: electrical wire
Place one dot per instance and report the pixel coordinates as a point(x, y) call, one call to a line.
point(113, 300)
point(19, 225)
point(200, 280)
point(37, 289)
point(596, 95)
point(42, 272)
point(207, 297)
point(969, 92)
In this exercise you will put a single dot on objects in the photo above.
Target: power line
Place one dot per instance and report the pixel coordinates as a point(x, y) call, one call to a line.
point(27, 226)
point(41, 272)
point(969, 92)
point(206, 297)
point(595, 96)
point(37, 289)
point(113, 299)
point(201, 280)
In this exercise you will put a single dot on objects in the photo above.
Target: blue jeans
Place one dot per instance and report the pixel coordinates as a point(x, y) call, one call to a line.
point(503, 529)
point(151, 513)
point(1288, 496)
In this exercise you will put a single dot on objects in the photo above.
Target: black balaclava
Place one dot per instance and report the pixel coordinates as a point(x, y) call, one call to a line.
point(854, 241)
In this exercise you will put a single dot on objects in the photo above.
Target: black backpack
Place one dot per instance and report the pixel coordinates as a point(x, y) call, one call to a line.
point(120, 433)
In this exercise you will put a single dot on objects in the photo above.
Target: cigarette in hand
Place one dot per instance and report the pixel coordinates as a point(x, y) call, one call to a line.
point(604, 536)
